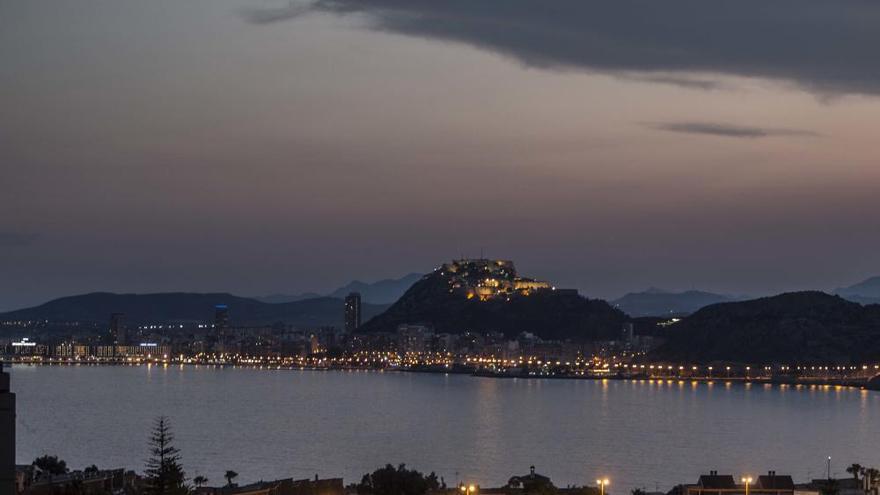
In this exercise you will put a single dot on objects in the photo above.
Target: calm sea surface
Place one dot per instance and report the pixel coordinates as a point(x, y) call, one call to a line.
point(273, 424)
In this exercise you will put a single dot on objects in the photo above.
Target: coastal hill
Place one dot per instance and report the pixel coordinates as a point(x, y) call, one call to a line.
point(384, 291)
point(488, 296)
point(657, 302)
point(796, 327)
point(184, 307)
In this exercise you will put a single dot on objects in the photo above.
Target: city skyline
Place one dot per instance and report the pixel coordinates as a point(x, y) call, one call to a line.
point(274, 147)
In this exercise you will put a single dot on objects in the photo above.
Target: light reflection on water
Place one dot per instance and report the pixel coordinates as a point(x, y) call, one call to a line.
point(271, 424)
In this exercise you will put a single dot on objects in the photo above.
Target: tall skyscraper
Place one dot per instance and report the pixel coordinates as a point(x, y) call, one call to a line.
point(352, 311)
point(221, 320)
point(118, 330)
point(7, 435)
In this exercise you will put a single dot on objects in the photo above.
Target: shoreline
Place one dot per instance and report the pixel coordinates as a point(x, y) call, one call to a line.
point(858, 384)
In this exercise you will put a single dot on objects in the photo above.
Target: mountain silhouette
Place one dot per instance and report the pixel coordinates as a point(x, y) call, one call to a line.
point(865, 292)
point(550, 314)
point(791, 328)
point(185, 307)
point(657, 302)
point(380, 292)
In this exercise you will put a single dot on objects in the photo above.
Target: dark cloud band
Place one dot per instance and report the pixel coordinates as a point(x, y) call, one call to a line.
point(828, 47)
point(727, 130)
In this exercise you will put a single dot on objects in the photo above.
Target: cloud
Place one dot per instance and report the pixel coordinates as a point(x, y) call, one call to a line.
point(827, 47)
point(681, 81)
point(727, 130)
point(17, 239)
point(258, 15)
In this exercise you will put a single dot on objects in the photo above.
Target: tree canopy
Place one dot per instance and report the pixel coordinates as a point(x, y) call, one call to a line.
point(397, 481)
point(164, 473)
point(50, 464)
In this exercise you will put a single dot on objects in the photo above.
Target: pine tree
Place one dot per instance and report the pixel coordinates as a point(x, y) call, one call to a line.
point(164, 474)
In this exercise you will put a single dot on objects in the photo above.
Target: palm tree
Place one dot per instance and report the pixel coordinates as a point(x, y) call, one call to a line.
point(872, 475)
point(855, 470)
point(199, 481)
point(230, 475)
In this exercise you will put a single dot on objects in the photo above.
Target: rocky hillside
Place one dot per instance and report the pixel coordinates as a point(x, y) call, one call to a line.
point(550, 314)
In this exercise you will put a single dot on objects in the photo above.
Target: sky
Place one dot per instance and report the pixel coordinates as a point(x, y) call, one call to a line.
point(268, 146)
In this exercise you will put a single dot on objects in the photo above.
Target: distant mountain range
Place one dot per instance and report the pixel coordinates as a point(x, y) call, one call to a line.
point(797, 327)
point(382, 292)
point(550, 314)
point(657, 302)
point(183, 307)
point(866, 292)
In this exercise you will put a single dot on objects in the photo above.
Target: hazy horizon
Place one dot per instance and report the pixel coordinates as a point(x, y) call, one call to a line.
point(263, 146)
point(326, 293)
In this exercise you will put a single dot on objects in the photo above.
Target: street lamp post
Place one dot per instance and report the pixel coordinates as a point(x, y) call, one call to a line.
point(747, 480)
point(602, 484)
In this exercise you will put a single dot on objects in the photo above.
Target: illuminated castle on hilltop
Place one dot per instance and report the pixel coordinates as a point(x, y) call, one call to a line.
point(487, 279)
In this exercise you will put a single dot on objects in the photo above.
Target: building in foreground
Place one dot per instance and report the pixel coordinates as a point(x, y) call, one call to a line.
point(725, 484)
point(98, 482)
point(331, 486)
point(7, 435)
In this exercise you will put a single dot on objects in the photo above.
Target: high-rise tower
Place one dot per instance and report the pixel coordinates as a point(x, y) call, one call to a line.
point(221, 320)
point(118, 330)
point(352, 311)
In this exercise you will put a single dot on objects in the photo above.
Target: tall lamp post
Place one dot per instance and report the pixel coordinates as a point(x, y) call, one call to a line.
point(747, 480)
point(602, 484)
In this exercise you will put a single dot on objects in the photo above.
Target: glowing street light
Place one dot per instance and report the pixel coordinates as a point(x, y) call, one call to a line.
point(469, 489)
point(747, 480)
point(602, 484)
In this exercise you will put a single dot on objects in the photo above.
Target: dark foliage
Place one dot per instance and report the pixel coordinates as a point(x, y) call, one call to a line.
point(230, 475)
point(397, 481)
point(164, 473)
point(50, 464)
